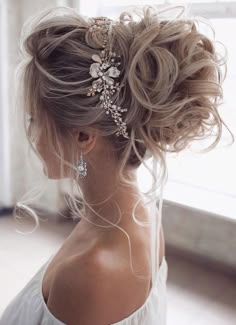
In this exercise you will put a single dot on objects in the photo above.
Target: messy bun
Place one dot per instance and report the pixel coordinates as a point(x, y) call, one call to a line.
point(170, 80)
point(174, 77)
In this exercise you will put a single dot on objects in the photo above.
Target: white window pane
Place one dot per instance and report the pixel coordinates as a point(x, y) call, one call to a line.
point(130, 2)
point(198, 1)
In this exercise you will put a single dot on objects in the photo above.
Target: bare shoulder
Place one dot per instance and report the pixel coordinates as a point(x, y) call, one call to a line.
point(95, 289)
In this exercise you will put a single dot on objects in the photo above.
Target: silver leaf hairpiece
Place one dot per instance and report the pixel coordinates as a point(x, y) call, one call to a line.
point(104, 70)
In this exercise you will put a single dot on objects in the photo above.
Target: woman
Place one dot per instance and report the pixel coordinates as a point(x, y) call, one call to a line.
point(103, 96)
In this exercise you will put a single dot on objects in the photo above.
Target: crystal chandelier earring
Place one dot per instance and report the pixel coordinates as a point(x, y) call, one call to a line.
point(82, 166)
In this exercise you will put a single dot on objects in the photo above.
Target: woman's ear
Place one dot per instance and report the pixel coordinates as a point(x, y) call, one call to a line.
point(86, 140)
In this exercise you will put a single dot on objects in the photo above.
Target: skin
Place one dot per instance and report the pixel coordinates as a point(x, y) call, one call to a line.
point(103, 248)
point(100, 181)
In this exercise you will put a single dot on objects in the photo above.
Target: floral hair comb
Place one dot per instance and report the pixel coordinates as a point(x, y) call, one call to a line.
point(104, 70)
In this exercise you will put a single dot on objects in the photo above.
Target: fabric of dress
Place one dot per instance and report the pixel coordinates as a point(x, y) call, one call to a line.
point(29, 308)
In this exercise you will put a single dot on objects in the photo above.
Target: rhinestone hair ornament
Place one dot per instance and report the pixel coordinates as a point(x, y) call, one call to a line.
point(104, 70)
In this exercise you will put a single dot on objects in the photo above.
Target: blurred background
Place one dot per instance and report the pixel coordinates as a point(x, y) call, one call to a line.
point(199, 207)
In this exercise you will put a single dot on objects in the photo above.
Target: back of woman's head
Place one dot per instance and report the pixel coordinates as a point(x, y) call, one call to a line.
point(170, 81)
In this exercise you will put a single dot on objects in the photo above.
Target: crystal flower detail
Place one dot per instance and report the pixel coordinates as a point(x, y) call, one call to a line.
point(99, 70)
point(104, 70)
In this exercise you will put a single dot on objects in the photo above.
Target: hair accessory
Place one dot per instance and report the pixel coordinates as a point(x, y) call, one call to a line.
point(104, 70)
point(82, 166)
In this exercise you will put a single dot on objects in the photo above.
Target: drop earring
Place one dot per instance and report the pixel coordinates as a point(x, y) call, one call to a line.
point(82, 166)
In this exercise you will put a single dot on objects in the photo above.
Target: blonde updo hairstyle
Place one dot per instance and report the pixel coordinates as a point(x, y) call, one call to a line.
point(171, 82)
